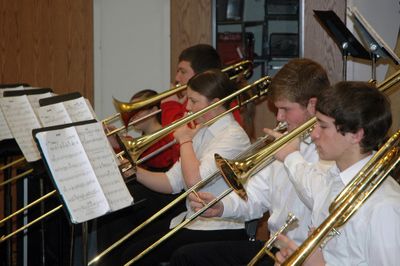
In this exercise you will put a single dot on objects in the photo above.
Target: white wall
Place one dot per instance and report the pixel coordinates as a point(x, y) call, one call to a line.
point(131, 50)
point(384, 17)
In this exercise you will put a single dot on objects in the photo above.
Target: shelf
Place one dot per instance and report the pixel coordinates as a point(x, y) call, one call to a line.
point(261, 30)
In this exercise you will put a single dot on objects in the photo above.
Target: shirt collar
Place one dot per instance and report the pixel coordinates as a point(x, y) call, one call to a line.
point(221, 123)
point(347, 175)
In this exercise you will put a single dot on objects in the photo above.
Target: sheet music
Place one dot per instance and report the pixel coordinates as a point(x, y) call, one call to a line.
point(34, 100)
point(54, 114)
point(78, 109)
point(105, 165)
point(89, 105)
point(73, 174)
point(5, 132)
point(21, 119)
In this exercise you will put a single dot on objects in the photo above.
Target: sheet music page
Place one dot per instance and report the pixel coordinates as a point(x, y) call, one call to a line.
point(89, 105)
point(105, 165)
point(73, 174)
point(34, 100)
point(5, 132)
point(54, 114)
point(78, 110)
point(21, 119)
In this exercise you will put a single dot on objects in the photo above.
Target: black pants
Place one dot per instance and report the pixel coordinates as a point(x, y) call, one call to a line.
point(219, 253)
point(114, 226)
point(183, 237)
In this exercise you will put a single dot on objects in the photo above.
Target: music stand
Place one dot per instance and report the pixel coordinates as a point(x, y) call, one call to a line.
point(347, 42)
point(377, 46)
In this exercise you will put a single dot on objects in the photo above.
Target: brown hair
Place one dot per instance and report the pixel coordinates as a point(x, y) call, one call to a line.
point(212, 84)
point(144, 94)
point(201, 57)
point(298, 81)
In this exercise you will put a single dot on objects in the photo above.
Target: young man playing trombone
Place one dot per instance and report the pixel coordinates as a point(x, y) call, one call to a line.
point(353, 119)
point(293, 91)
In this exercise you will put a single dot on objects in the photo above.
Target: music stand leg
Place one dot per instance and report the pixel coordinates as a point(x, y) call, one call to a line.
point(374, 57)
point(85, 243)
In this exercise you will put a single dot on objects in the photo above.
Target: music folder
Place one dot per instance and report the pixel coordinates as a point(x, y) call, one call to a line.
point(83, 168)
point(347, 42)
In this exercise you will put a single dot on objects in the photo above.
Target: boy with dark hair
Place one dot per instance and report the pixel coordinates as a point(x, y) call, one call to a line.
point(353, 118)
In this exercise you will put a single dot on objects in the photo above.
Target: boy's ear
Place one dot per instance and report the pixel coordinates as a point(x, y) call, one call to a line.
point(358, 136)
point(311, 105)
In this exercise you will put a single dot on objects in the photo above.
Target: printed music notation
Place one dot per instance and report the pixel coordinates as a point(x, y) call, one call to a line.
point(73, 175)
point(105, 165)
point(5, 132)
point(21, 119)
point(84, 170)
point(65, 112)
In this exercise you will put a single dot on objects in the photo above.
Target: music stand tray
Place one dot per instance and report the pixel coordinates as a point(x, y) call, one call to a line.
point(342, 36)
point(347, 42)
point(376, 44)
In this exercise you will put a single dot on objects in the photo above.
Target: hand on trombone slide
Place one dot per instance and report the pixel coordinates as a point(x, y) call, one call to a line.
point(186, 132)
point(287, 247)
point(199, 199)
point(285, 150)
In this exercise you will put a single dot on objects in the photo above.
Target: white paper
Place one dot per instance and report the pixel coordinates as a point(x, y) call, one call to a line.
point(105, 165)
point(21, 119)
point(78, 110)
point(5, 132)
point(73, 174)
point(54, 114)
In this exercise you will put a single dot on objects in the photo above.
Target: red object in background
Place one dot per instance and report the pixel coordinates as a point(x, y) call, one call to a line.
point(232, 48)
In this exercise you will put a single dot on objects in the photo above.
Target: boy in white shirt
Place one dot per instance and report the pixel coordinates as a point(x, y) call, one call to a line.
point(353, 119)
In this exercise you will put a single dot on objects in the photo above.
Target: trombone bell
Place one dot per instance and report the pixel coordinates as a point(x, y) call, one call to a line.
point(230, 174)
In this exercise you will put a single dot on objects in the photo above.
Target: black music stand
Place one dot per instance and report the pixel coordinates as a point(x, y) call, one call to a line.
point(377, 46)
point(347, 42)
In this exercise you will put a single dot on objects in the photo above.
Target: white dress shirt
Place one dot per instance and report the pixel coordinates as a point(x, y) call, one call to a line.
point(372, 235)
point(271, 190)
point(227, 138)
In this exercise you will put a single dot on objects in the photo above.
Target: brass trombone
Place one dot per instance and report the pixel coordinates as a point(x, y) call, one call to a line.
point(352, 197)
point(236, 172)
point(233, 71)
point(17, 161)
point(262, 83)
point(384, 86)
point(275, 146)
point(269, 244)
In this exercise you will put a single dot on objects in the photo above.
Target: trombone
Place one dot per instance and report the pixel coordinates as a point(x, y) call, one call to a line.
point(262, 84)
point(384, 86)
point(233, 71)
point(269, 244)
point(240, 189)
point(352, 197)
point(51, 193)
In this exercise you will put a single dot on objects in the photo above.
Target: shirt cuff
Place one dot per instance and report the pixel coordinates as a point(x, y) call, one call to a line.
point(228, 206)
point(292, 160)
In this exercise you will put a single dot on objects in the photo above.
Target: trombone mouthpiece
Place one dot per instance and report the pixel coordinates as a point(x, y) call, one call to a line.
point(282, 126)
